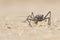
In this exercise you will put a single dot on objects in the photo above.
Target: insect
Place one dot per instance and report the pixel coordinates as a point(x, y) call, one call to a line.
point(37, 18)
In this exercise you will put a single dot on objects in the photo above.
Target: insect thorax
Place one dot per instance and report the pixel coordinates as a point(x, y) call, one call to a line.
point(39, 17)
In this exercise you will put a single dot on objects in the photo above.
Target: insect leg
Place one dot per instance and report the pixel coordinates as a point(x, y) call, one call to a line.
point(32, 15)
point(27, 18)
point(48, 14)
point(49, 20)
point(29, 23)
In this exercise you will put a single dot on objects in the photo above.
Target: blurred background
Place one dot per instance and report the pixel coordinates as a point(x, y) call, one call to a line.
point(14, 8)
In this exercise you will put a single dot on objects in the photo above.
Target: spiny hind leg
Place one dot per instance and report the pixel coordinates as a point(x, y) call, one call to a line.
point(49, 20)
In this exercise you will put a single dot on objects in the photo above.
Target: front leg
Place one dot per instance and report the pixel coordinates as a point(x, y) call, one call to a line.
point(30, 16)
point(28, 19)
point(29, 23)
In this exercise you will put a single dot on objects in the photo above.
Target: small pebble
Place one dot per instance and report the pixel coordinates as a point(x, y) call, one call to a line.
point(9, 27)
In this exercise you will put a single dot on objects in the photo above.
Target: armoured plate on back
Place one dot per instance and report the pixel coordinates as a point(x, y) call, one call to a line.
point(39, 17)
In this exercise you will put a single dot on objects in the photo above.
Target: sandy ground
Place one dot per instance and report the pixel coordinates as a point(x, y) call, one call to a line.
point(14, 12)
